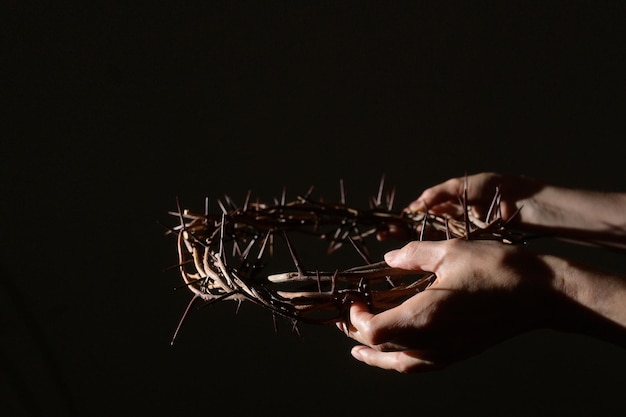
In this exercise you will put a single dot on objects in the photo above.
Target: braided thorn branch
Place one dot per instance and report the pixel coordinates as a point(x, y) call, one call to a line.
point(234, 255)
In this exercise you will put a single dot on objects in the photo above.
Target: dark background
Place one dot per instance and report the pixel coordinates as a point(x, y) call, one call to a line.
point(113, 109)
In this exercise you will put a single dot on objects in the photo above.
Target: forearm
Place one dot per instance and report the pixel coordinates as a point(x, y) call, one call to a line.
point(596, 299)
point(578, 214)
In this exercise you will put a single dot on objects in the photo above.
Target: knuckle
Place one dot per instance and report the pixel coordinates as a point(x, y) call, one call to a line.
point(371, 334)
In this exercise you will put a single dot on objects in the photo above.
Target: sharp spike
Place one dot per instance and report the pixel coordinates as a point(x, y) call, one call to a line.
point(182, 319)
point(466, 209)
point(180, 214)
point(379, 198)
point(222, 206)
point(247, 201)
point(309, 191)
point(294, 257)
point(342, 192)
point(360, 251)
point(262, 250)
point(319, 281)
point(274, 323)
point(236, 251)
point(230, 203)
point(222, 226)
point(246, 251)
point(391, 198)
point(424, 223)
point(494, 201)
point(513, 216)
point(167, 228)
point(168, 268)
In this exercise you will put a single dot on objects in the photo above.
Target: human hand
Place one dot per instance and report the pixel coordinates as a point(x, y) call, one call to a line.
point(531, 205)
point(444, 198)
point(484, 293)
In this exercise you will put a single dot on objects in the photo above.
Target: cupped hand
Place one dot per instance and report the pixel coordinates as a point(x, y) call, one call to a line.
point(485, 292)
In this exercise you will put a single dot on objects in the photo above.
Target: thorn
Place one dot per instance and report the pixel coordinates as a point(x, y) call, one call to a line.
point(294, 257)
point(379, 198)
point(513, 216)
point(222, 206)
point(236, 250)
point(391, 198)
point(188, 284)
point(180, 214)
point(221, 250)
point(275, 323)
point(246, 251)
point(178, 265)
point(495, 201)
point(319, 281)
point(180, 323)
point(465, 209)
point(262, 250)
point(309, 192)
point(296, 329)
point(360, 251)
point(246, 201)
point(167, 228)
point(342, 192)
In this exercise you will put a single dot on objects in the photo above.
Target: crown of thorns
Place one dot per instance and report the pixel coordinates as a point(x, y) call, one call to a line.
point(234, 255)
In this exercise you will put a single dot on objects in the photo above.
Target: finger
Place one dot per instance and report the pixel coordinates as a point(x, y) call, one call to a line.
point(404, 362)
point(430, 197)
point(418, 256)
point(417, 206)
point(370, 329)
point(380, 331)
point(360, 321)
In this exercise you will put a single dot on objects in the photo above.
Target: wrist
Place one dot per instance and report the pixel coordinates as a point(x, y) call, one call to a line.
point(590, 301)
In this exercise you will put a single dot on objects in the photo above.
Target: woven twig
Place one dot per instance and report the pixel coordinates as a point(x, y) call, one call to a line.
point(234, 255)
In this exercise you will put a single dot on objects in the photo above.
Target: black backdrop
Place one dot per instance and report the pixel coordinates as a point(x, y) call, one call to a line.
point(112, 109)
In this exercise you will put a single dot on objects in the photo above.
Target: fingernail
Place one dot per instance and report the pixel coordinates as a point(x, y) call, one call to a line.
point(356, 352)
point(391, 255)
point(416, 206)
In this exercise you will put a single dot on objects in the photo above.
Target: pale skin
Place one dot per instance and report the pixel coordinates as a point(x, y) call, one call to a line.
point(486, 291)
